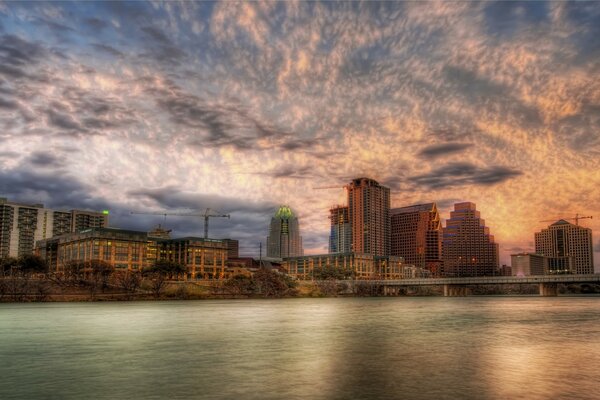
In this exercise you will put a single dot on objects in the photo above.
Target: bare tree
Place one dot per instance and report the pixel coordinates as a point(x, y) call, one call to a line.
point(129, 281)
point(160, 272)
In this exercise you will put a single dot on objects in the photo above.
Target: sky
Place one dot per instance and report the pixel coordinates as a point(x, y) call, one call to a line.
point(241, 107)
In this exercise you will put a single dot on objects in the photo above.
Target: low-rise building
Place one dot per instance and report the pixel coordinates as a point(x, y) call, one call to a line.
point(135, 250)
point(526, 264)
point(362, 266)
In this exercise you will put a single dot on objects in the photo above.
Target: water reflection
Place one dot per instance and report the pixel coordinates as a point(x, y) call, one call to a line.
point(417, 348)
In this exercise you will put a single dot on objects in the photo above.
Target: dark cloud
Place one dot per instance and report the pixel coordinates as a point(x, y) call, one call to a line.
point(107, 49)
point(56, 27)
point(441, 149)
point(217, 125)
point(462, 174)
point(248, 223)
point(172, 198)
point(96, 23)
point(53, 190)
point(63, 121)
point(45, 159)
point(496, 98)
point(17, 54)
point(8, 104)
point(505, 18)
point(288, 172)
point(299, 144)
point(162, 49)
point(156, 34)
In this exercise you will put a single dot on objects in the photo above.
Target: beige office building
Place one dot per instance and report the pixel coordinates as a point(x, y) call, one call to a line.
point(526, 264)
point(362, 266)
point(569, 248)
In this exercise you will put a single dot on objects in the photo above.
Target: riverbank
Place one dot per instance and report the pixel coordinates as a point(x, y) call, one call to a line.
point(44, 290)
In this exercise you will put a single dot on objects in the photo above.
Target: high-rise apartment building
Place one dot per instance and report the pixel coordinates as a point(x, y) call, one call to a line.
point(568, 247)
point(416, 236)
point(21, 225)
point(468, 248)
point(284, 238)
point(340, 237)
point(369, 215)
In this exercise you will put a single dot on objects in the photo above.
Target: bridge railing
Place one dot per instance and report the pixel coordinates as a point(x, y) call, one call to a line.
point(483, 280)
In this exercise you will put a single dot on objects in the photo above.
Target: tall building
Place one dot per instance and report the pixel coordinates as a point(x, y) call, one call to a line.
point(81, 220)
point(369, 215)
point(340, 237)
point(233, 247)
point(525, 264)
point(21, 225)
point(416, 236)
point(284, 238)
point(468, 248)
point(568, 247)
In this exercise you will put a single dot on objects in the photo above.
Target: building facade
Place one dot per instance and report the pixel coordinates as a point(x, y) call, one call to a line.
point(233, 248)
point(569, 248)
point(340, 237)
point(284, 238)
point(416, 236)
point(362, 266)
point(21, 225)
point(526, 264)
point(134, 251)
point(468, 248)
point(369, 215)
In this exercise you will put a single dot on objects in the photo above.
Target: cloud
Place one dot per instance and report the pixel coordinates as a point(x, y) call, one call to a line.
point(441, 149)
point(161, 48)
point(45, 159)
point(195, 97)
point(462, 174)
point(96, 23)
point(17, 54)
point(8, 104)
point(63, 121)
point(108, 50)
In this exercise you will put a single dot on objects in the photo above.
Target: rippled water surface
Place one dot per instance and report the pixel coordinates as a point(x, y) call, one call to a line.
point(375, 348)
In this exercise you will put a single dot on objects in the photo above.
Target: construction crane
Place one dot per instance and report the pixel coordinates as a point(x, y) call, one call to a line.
point(576, 218)
point(331, 187)
point(207, 214)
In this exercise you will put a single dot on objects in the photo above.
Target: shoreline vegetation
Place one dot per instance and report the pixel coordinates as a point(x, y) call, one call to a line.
point(27, 279)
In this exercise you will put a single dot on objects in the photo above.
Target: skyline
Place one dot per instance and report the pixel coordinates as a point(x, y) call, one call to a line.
point(148, 107)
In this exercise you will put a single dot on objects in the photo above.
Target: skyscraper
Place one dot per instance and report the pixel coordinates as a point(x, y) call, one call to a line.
point(468, 248)
point(416, 235)
point(369, 215)
point(568, 247)
point(284, 238)
point(340, 237)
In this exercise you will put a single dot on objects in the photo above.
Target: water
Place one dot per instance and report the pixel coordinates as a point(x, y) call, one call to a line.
point(355, 348)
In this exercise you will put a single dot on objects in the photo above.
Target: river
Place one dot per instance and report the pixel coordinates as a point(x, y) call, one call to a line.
point(328, 348)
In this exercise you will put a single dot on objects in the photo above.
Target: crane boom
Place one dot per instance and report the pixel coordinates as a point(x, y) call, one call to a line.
point(206, 214)
point(576, 218)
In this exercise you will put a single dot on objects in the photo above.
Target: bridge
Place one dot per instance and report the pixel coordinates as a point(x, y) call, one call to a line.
point(460, 286)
